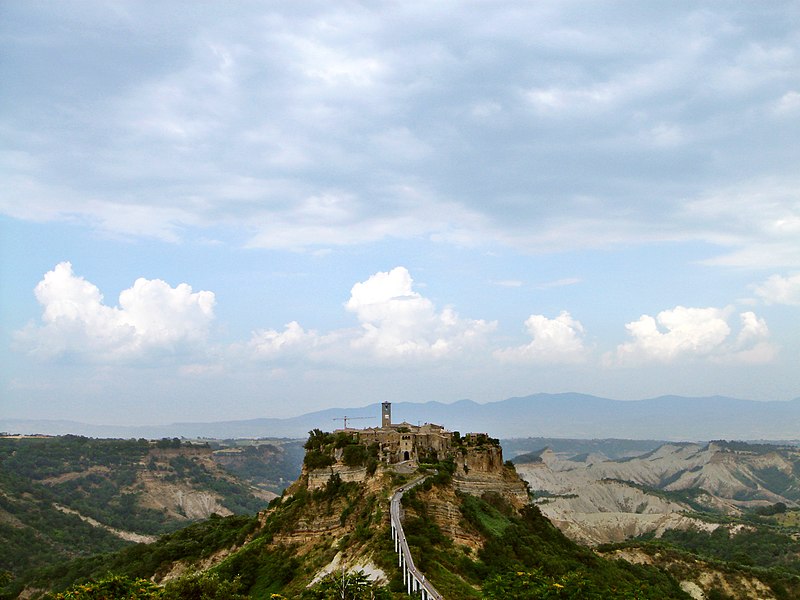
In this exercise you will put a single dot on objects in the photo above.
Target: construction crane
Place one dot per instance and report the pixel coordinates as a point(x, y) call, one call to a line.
point(346, 419)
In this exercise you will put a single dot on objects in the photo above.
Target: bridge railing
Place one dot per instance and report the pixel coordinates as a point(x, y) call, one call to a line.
point(412, 578)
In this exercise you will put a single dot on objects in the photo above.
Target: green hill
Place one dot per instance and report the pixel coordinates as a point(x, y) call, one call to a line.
point(71, 496)
point(470, 545)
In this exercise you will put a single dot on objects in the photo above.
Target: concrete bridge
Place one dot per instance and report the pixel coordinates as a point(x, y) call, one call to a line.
point(412, 578)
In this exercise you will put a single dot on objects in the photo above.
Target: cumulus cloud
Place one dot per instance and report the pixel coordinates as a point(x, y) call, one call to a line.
point(395, 324)
point(397, 321)
point(751, 346)
point(687, 333)
point(292, 341)
point(559, 340)
point(780, 290)
point(152, 319)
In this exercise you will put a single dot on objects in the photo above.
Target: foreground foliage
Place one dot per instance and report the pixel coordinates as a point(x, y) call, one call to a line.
point(196, 586)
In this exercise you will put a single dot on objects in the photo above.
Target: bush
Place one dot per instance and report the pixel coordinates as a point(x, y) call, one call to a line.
point(354, 455)
point(317, 439)
point(112, 586)
point(204, 586)
point(317, 460)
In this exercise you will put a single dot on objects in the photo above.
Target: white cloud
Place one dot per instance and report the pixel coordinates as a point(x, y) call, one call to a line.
point(336, 218)
point(201, 370)
point(510, 283)
point(789, 103)
point(686, 333)
point(758, 220)
point(780, 290)
point(152, 319)
point(292, 341)
point(665, 135)
point(559, 283)
point(397, 322)
point(296, 126)
point(558, 340)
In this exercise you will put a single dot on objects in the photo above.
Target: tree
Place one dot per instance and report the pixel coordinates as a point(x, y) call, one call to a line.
point(354, 455)
point(112, 587)
point(317, 439)
point(347, 586)
point(204, 586)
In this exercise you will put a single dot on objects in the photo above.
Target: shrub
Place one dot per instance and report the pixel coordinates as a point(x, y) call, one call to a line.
point(315, 459)
point(112, 586)
point(354, 455)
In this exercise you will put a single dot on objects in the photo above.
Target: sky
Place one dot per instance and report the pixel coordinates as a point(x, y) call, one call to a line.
point(214, 211)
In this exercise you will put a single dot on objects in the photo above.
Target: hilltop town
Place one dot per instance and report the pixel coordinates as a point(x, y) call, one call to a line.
point(353, 454)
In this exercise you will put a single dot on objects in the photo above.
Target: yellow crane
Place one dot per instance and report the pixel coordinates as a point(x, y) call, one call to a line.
point(346, 419)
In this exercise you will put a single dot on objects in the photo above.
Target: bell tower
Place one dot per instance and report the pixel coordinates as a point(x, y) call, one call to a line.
point(386, 414)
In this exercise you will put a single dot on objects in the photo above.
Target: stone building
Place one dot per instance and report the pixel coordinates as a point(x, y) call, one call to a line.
point(399, 442)
point(478, 458)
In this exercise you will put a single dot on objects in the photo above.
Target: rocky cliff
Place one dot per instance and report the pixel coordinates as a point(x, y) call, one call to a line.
point(597, 500)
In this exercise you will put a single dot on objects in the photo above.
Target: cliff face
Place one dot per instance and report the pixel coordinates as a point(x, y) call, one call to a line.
point(177, 482)
point(596, 500)
point(698, 577)
point(480, 469)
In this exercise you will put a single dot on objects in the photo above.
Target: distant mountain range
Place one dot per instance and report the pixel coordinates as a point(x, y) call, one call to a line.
point(570, 415)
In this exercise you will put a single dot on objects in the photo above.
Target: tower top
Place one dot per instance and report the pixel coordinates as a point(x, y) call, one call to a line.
point(386, 414)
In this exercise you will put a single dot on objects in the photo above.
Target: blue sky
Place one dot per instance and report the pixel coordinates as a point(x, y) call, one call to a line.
point(219, 211)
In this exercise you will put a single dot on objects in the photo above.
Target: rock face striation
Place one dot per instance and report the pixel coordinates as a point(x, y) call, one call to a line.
point(596, 500)
point(166, 483)
point(480, 469)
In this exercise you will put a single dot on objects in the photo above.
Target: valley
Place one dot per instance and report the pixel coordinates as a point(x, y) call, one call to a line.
point(468, 526)
point(646, 518)
point(70, 496)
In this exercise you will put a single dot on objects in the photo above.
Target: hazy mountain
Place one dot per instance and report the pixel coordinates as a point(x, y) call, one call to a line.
point(549, 415)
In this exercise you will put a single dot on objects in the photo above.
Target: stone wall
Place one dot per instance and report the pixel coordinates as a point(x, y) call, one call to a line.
point(318, 478)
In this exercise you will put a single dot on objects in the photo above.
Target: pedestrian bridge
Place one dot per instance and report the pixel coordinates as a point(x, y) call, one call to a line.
point(412, 578)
